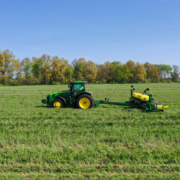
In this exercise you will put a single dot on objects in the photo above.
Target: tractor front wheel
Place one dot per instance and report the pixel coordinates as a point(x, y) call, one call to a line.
point(58, 103)
point(85, 101)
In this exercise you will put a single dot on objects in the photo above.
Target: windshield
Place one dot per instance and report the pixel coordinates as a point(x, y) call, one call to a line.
point(78, 87)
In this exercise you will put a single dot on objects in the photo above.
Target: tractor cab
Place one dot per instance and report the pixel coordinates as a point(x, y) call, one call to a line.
point(77, 86)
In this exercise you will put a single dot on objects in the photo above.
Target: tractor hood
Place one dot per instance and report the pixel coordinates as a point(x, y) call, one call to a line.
point(64, 92)
point(59, 92)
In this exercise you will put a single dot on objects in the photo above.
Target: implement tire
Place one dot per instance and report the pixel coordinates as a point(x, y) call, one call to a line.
point(58, 103)
point(85, 101)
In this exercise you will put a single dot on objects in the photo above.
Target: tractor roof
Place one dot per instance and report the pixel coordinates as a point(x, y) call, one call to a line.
point(78, 82)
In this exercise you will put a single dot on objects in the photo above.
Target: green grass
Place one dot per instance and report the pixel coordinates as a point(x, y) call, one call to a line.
point(107, 142)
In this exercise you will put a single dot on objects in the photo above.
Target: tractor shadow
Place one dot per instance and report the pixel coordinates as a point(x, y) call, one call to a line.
point(126, 109)
point(43, 107)
point(51, 107)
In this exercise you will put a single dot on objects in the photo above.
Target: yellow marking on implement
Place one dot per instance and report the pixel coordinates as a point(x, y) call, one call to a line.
point(165, 106)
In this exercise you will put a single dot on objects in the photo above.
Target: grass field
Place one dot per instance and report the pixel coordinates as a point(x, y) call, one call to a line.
point(107, 142)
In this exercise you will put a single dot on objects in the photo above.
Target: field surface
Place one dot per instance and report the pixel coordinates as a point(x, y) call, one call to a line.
point(107, 142)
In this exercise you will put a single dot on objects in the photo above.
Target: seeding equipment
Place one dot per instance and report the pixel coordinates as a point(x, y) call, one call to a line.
point(78, 96)
point(138, 100)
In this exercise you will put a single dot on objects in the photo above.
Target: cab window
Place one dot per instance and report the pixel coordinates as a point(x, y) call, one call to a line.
point(78, 87)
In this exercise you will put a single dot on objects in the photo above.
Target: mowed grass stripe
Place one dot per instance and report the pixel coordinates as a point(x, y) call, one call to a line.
point(100, 175)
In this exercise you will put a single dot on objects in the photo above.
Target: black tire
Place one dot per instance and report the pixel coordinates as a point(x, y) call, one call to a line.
point(85, 101)
point(58, 103)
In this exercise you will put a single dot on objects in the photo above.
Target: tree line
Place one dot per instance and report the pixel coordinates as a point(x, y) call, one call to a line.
point(55, 70)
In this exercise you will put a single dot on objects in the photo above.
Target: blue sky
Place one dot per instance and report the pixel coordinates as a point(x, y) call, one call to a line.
point(99, 30)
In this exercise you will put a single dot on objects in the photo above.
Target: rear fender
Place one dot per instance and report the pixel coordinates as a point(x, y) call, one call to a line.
point(90, 94)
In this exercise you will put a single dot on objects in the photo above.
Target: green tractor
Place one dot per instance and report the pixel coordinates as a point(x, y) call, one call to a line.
point(75, 96)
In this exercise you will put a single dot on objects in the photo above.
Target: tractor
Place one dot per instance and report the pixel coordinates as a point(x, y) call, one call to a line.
point(76, 96)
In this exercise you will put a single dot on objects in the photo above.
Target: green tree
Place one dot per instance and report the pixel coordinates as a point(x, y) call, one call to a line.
point(103, 71)
point(28, 68)
point(126, 74)
point(121, 72)
point(89, 71)
point(152, 72)
point(36, 68)
point(140, 73)
point(58, 68)
point(8, 64)
point(118, 73)
point(68, 73)
point(175, 73)
point(131, 66)
point(46, 71)
point(164, 70)
point(78, 68)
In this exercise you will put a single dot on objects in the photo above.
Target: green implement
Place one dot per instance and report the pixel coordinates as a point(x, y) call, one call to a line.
point(138, 100)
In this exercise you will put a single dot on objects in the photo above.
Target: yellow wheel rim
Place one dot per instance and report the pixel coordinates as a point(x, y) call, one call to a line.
point(57, 104)
point(84, 103)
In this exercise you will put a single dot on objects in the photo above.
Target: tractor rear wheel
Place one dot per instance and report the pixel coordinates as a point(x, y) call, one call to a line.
point(85, 101)
point(58, 103)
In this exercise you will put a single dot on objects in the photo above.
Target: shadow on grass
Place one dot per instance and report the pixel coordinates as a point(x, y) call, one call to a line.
point(128, 109)
point(43, 107)
point(119, 106)
point(57, 108)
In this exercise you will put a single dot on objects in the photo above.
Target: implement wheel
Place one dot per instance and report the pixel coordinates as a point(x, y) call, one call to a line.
point(58, 103)
point(85, 101)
